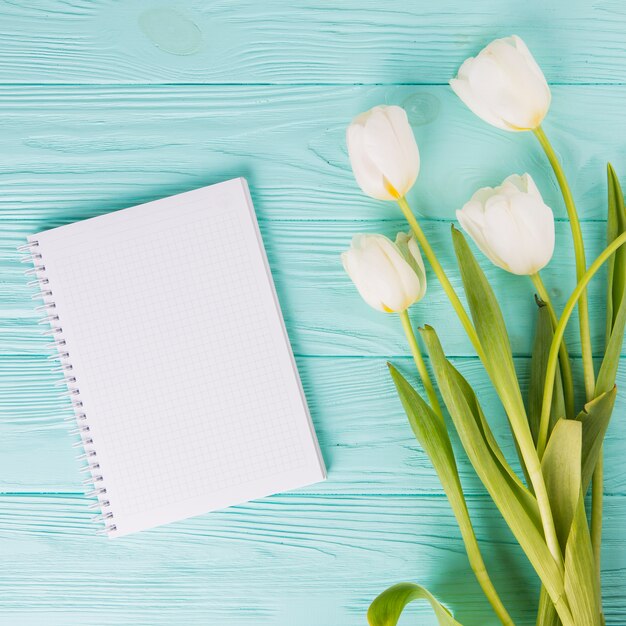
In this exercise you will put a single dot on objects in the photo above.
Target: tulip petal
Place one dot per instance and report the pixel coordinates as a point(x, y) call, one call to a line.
point(406, 140)
point(480, 197)
point(517, 182)
point(507, 240)
point(536, 221)
point(528, 93)
point(474, 220)
point(366, 173)
point(511, 225)
point(381, 274)
point(407, 244)
point(418, 266)
point(404, 273)
point(531, 187)
point(490, 79)
point(463, 90)
point(357, 275)
point(504, 85)
point(386, 152)
point(533, 66)
point(361, 271)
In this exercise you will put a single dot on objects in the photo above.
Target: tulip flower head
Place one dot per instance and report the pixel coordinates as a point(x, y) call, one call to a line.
point(389, 276)
point(504, 86)
point(383, 152)
point(511, 225)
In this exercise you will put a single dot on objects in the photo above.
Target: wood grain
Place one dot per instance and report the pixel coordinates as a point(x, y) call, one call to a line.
point(355, 41)
point(326, 558)
point(72, 152)
point(363, 432)
point(324, 313)
point(106, 104)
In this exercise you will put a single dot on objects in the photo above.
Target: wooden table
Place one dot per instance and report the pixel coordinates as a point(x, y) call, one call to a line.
point(106, 104)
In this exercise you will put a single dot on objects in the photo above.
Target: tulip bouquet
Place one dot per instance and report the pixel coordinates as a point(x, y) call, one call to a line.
point(559, 443)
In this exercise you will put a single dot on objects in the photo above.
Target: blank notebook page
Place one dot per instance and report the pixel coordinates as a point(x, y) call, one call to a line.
point(183, 372)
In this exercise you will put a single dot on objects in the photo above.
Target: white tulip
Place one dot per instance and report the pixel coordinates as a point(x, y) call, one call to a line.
point(383, 152)
point(511, 224)
point(504, 86)
point(389, 276)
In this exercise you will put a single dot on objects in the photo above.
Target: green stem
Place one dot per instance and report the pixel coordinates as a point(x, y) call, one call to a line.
point(585, 335)
point(441, 275)
point(597, 489)
point(514, 406)
point(566, 367)
point(558, 337)
point(533, 467)
point(419, 363)
point(581, 264)
point(476, 560)
point(459, 505)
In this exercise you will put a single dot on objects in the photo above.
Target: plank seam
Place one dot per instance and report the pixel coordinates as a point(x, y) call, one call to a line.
point(287, 84)
point(308, 494)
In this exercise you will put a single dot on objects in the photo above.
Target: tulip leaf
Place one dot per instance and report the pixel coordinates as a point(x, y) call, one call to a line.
point(430, 430)
point(616, 300)
point(386, 609)
point(581, 582)
point(616, 224)
point(546, 613)
point(595, 418)
point(561, 467)
point(492, 334)
point(490, 440)
point(541, 348)
point(516, 504)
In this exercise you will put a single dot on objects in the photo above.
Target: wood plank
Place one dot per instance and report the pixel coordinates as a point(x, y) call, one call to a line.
point(249, 42)
point(328, 557)
point(324, 313)
point(365, 439)
point(72, 152)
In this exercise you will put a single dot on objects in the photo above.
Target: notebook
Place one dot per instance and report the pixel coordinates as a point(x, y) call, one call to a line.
point(165, 324)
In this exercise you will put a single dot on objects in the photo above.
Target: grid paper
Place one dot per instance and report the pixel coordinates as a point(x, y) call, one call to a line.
point(180, 355)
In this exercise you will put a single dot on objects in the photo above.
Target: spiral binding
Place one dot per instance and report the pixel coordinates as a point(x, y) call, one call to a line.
point(94, 484)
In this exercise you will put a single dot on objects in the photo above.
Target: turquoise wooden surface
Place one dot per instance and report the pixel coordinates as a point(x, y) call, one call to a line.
point(106, 104)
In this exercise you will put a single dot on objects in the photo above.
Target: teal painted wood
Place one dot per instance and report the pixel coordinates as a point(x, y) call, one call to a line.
point(309, 561)
point(366, 441)
point(291, 559)
point(265, 90)
point(354, 41)
point(72, 152)
point(325, 315)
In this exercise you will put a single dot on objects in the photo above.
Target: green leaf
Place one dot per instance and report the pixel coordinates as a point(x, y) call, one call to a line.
point(431, 432)
point(616, 224)
point(517, 505)
point(487, 434)
point(595, 418)
point(561, 467)
point(493, 337)
point(581, 582)
point(546, 613)
point(616, 300)
point(541, 348)
point(388, 606)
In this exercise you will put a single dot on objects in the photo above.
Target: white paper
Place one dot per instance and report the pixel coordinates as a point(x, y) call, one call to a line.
point(180, 356)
